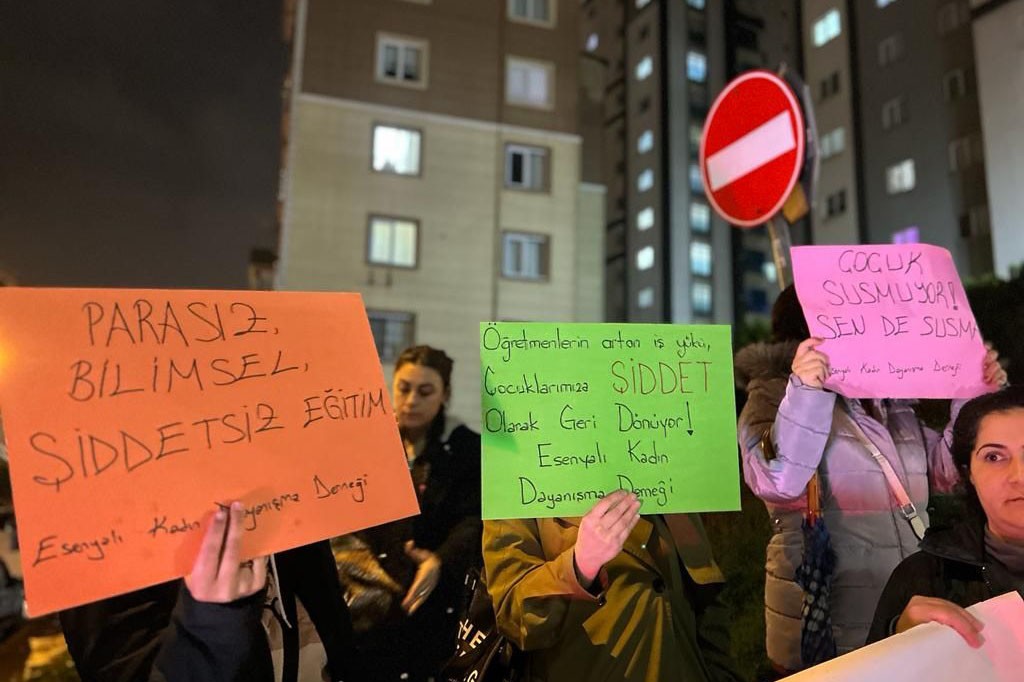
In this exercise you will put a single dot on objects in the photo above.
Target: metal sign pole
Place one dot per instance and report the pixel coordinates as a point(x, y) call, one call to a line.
point(778, 231)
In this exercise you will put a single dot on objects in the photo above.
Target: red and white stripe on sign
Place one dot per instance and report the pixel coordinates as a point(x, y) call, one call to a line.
point(752, 149)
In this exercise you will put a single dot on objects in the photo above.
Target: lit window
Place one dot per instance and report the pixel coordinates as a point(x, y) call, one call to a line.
point(908, 235)
point(645, 180)
point(696, 4)
point(531, 11)
point(392, 332)
point(827, 27)
point(644, 68)
point(525, 256)
point(954, 85)
point(645, 219)
point(696, 66)
point(645, 297)
point(700, 216)
point(645, 142)
point(700, 296)
point(696, 181)
point(392, 241)
point(529, 83)
point(884, 3)
point(890, 49)
point(700, 258)
point(769, 270)
point(640, 4)
point(401, 61)
point(396, 150)
point(592, 42)
point(900, 177)
point(525, 167)
point(893, 113)
point(645, 258)
point(833, 143)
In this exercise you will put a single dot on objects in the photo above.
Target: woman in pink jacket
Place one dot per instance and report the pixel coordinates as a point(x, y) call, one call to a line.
point(792, 428)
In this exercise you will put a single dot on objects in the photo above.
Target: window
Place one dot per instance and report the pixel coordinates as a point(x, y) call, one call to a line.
point(965, 151)
point(644, 105)
point(592, 42)
point(700, 258)
point(696, 130)
point(908, 235)
point(644, 68)
point(645, 219)
point(392, 241)
point(770, 271)
point(645, 180)
point(900, 177)
point(829, 85)
point(645, 142)
point(827, 27)
point(951, 15)
point(532, 11)
point(954, 85)
point(645, 297)
point(645, 258)
point(640, 4)
point(833, 143)
point(890, 49)
point(526, 167)
point(700, 297)
point(700, 217)
point(392, 332)
point(696, 181)
point(401, 61)
point(525, 256)
point(529, 83)
point(835, 204)
point(884, 3)
point(396, 150)
point(696, 4)
point(893, 113)
point(696, 66)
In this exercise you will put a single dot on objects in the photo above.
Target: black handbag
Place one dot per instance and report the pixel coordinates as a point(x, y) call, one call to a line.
point(482, 653)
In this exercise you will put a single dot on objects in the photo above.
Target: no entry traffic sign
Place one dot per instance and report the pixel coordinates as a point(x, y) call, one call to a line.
point(753, 148)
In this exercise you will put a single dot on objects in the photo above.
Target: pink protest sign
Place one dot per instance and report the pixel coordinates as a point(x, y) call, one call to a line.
point(895, 320)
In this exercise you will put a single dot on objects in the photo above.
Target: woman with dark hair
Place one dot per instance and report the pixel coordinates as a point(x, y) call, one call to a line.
point(982, 556)
point(797, 436)
point(425, 557)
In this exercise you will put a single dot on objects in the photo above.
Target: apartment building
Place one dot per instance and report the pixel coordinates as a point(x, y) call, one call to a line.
point(434, 166)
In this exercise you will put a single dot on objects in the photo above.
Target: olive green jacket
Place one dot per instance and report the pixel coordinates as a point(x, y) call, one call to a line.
point(651, 622)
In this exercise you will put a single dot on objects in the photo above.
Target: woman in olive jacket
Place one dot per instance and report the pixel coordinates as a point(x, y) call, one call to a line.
point(610, 596)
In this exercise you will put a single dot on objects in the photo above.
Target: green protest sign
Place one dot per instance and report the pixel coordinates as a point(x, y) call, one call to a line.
point(572, 412)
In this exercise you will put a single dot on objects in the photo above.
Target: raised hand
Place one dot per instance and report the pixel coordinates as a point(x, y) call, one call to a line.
point(603, 532)
point(427, 575)
point(217, 575)
point(810, 365)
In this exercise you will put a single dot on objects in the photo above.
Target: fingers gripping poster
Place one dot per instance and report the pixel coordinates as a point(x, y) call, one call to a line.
point(130, 415)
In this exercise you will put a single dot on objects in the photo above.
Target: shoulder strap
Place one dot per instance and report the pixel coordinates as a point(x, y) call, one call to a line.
point(907, 507)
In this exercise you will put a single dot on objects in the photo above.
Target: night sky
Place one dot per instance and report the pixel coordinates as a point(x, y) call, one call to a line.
point(139, 140)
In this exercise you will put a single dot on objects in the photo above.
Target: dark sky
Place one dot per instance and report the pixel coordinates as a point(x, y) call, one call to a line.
point(139, 140)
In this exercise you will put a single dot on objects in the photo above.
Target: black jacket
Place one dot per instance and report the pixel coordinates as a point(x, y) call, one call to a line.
point(951, 565)
point(215, 643)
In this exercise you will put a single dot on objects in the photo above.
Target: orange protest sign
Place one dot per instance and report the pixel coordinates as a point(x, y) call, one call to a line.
point(130, 414)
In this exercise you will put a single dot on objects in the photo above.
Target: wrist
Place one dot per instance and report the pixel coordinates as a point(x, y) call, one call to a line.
point(586, 575)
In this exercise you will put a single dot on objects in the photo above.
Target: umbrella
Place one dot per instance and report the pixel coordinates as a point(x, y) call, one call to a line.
point(814, 575)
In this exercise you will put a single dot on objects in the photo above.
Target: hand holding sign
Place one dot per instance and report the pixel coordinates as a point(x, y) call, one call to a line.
point(810, 365)
point(603, 532)
point(218, 575)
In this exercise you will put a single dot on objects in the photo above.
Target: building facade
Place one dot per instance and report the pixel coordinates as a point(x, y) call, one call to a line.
point(434, 166)
point(900, 127)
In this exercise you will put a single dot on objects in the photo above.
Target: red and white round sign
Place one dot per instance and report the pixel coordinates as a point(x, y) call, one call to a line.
point(752, 149)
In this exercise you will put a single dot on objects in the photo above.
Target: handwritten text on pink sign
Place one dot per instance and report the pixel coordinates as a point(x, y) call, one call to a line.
point(895, 320)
